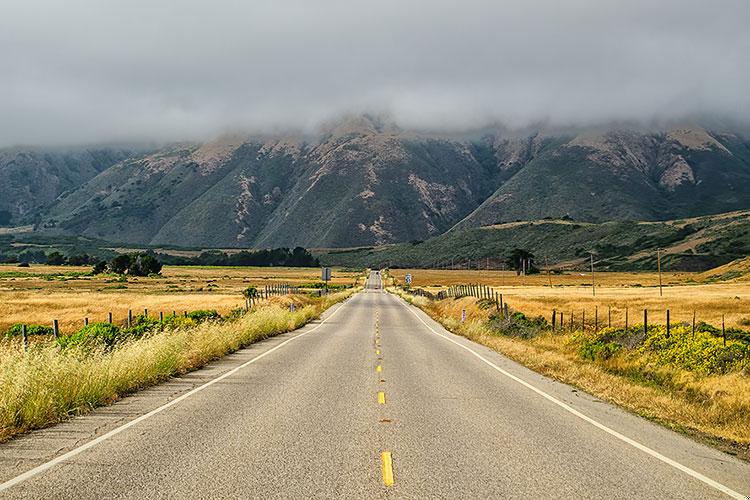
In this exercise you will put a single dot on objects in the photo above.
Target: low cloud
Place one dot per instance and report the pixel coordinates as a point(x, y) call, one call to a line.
point(82, 71)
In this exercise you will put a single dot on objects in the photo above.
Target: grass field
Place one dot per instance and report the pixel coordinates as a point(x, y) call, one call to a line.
point(569, 293)
point(39, 294)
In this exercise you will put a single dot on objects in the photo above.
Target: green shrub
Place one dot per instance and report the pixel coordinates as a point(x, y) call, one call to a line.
point(94, 335)
point(15, 330)
point(598, 350)
point(202, 315)
point(517, 325)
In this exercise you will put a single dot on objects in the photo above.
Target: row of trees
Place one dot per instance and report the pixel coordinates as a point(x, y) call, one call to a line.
point(297, 257)
point(52, 258)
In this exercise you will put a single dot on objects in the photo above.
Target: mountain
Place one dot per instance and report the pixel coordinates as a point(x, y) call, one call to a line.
point(691, 244)
point(620, 174)
point(31, 179)
point(364, 181)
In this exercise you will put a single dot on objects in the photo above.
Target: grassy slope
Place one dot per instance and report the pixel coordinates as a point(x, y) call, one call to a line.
point(691, 244)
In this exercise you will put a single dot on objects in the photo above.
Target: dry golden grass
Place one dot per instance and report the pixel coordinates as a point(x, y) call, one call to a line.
point(40, 293)
point(714, 407)
point(46, 384)
point(572, 293)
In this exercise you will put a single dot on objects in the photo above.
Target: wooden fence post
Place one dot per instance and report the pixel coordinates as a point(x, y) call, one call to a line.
point(554, 318)
point(645, 321)
point(55, 329)
point(109, 318)
point(25, 338)
point(85, 322)
point(130, 318)
point(668, 325)
point(723, 331)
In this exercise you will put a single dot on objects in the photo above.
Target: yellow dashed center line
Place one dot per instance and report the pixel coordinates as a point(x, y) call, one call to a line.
point(379, 368)
point(377, 352)
point(381, 397)
point(386, 461)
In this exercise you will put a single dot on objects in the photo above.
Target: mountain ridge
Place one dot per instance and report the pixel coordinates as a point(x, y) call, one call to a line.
point(365, 181)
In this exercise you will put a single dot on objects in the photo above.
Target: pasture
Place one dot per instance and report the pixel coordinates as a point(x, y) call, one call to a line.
point(40, 293)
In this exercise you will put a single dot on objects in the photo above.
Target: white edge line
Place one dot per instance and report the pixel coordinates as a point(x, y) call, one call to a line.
point(687, 470)
point(48, 465)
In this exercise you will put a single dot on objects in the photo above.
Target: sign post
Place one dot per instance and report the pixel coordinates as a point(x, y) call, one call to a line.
point(325, 275)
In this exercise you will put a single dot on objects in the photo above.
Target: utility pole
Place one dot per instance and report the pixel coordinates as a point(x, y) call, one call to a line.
point(593, 280)
point(658, 265)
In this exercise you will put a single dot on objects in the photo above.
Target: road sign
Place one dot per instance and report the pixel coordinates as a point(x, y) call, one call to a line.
point(408, 279)
point(325, 274)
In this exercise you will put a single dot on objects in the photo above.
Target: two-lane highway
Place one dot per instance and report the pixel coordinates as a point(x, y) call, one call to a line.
point(374, 401)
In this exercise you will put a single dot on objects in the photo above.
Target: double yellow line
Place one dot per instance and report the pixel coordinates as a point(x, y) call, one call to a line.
point(386, 460)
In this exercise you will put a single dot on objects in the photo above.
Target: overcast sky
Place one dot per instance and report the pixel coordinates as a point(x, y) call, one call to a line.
point(87, 71)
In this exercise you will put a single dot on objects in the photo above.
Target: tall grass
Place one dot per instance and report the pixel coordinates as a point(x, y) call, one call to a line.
point(47, 384)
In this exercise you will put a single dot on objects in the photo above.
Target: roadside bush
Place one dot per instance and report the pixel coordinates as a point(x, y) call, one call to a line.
point(15, 330)
point(598, 350)
point(92, 336)
point(202, 315)
point(518, 325)
point(703, 353)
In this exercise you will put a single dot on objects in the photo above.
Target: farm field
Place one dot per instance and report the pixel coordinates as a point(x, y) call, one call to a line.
point(41, 293)
point(571, 292)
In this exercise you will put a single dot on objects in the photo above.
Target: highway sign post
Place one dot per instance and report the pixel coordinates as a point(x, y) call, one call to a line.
point(408, 278)
point(325, 275)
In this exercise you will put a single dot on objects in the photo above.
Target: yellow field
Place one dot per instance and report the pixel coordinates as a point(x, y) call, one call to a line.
point(40, 293)
point(572, 293)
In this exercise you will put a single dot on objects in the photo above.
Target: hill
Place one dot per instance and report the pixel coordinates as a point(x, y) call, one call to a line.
point(694, 244)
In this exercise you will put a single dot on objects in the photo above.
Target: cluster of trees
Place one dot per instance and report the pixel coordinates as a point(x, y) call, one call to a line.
point(136, 264)
point(297, 257)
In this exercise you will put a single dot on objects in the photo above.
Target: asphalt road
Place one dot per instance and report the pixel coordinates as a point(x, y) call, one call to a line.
point(376, 400)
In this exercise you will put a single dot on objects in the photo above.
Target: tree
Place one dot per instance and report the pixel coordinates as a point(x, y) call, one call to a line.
point(55, 259)
point(100, 267)
point(119, 264)
point(522, 260)
point(144, 264)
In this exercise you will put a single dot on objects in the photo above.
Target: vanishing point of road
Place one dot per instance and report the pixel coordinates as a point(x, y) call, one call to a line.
point(375, 400)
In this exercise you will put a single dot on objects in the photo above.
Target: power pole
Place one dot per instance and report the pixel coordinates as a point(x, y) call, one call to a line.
point(658, 265)
point(593, 280)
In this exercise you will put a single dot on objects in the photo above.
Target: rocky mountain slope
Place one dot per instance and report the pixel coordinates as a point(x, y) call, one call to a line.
point(365, 182)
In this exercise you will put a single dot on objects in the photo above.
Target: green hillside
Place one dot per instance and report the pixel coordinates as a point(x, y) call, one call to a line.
point(688, 244)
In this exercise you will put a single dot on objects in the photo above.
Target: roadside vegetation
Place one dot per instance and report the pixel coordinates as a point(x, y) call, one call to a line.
point(698, 383)
point(101, 362)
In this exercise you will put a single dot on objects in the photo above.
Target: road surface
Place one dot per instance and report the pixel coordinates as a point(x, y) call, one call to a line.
point(376, 400)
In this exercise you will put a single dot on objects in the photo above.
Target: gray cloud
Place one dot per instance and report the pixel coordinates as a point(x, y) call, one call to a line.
point(86, 71)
